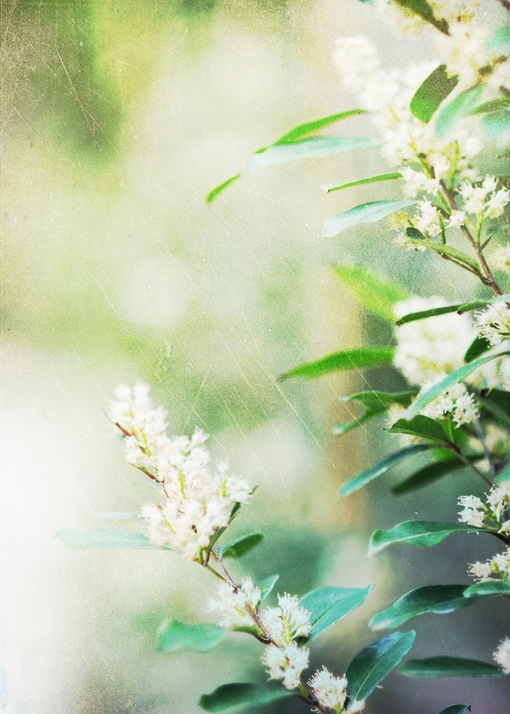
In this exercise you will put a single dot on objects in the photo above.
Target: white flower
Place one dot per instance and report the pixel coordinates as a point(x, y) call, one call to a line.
point(427, 220)
point(495, 322)
point(232, 605)
point(472, 517)
point(355, 706)
point(481, 571)
point(502, 655)
point(330, 691)
point(286, 622)
point(286, 663)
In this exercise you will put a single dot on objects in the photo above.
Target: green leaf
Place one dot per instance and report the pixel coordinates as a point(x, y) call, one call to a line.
point(504, 474)
point(456, 709)
point(215, 192)
point(341, 429)
point(479, 345)
point(238, 694)
point(427, 475)
point(424, 10)
point(489, 588)
point(473, 305)
point(422, 426)
point(496, 124)
point(493, 105)
point(448, 667)
point(433, 312)
point(432, 92)
point(419, 533)
point(364, 213)
point(328, 605)
point(500, 40)
point(106, 538)
point(375, 403)
point(176, 635)
point(302, 130)
point(375, 662)
point(375, 294)
point(266, 586)
point(456, 376)
point(445, 251)
point(376, 470)
point(329, 188)
point(347, 359)
point(461, 106)
point(314, 147)
point(437, 599)
point(240, 546)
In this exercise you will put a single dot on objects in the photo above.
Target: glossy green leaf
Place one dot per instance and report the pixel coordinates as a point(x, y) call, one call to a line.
point(424, 10)
point(266, 586)
point(215, 192)
point(376, 403)
point(375, 662)
point(419, 533)
point(473, 305)
point(380, 468)
point(230, 696)
point(428, 474)
point(456, 709)
point(456, 376)
point(461, 106)
point(176, 635)
point(421, 426)
point(329, 188)
point(448, 667)
point(445, 251)
point(329, 605)
point(496, 124)
point(488, 588)
point(309, 127)
point(240, 546)
point(432, 92)
point(364, 213)
point(433, 312)
point(347, 359)
point(479, 345)
point(341, 429)
point(437, 599)
point(375, 294)
point(500, 40)
point(106, 538)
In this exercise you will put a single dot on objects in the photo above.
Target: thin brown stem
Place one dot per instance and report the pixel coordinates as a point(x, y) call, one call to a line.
point(505, 3)
point(469, 464)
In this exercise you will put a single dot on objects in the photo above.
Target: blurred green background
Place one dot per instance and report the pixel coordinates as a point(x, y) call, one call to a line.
point(118, 116)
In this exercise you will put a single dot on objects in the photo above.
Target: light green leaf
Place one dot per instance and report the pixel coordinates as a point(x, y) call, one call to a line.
point(364, 213)
point(419, 533)
point(376, 470)
point(496, 124)
point(230, 696)
point(461, 106)
point(176, 635)
point(500, 40)
point(240, 546)
point(421, 426)
point(328, 605)
point(445, 251)
point(341, 429)
point(329, 188)
point(215, 192)
point(347, 359)
point(309, 127)
point(375, 662)
point(489, 588)
point(437, 599)
point(424, 10)
point(448, 667)
point(456, 376)
point(504, 474)
point(432, 92)
point(373, 293)
point(106, 538)
point(266, 586)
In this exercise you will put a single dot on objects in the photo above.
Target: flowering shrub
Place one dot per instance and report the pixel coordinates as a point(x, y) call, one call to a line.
point(432, 122)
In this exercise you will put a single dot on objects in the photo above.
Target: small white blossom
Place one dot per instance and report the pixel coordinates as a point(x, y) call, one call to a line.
point(481, 571)
point(286, 622)
point(330, 691)
point(502, 655)
point(286, 663)
point(495, 322)
point(355, 706)
point(232, 605)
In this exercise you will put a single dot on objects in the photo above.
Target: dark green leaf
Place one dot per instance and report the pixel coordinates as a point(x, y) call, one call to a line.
point(429, 474)
point(424, 10)
point(329, 188)
point(238, 694)
point(215, 192)
point(456, 709)
point(498, 402)
point(448, 667)
point(432, 92)
point(473, 305)
point(437, 599)
point(302, 130)
point(419, 533)
point(347, 359)
point(496, 124)
point(266, 586)
point(424, 314)
point(106, 538)
point(461, 106)
point(422, 426)
point(240, 546)
point(375, 294)
point(489, 588)
point(479, 345)
point(328, 605)
point(375, 662)
point(176, 635)
point(364, 213)
point(376, 470)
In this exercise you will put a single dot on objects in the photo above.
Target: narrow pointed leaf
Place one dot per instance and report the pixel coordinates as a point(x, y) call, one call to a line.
point(446, 250)
point(479, 345)
point(473, 305)
point(230, 696)
point(432, 92)
point(266, 586)
point(106, 538)
point(489, 588)
point(215, 192)
point(347, 359)
point(328, 605)
point(419, 533)
point(456, 376)
point(176, 635)
point(448, 667)
point(364, 213)
point(329, 188)
point(493, 105)
point(240, 546)
point(307, 128)
point(375, 662)
point(433, 472)
point(373, 293)
point(461, 106)
point(424, 314)
point(381, 401)
point(424, 10)
point(437, 599)
point(341, 429)
point(422, 426)
point(376, 470)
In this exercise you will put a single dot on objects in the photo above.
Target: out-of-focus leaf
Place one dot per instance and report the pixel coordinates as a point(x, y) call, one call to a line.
point(504, 474)
point(380, 468)
point(437, 599)
point(329, 188)
point(215, 192)
point(419, 533)
point(424, 10)
point(176, 635)
point(375, 662)
point(498, 402)
point(448, 667)
point(375, 403)
point(496, 124)
point(445, 250)
point(422, 426)
point(230, 696)
point(479, 345)
point(240, 546)
point(106, 538)
point(432, 92)
point(375, 294)
point(489, 588)
point(266, 586)
point(328, 605)
point(347, 359)
point(364, 213)
point(493, 105)
point(456, 709)
point(456, 376)
point(461, 106)
point(433, 472)
point(500, 40)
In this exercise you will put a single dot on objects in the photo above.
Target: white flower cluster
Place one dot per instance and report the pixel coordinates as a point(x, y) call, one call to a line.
point(484, 200)
point(235, 606)
point(495, 322)
point(198, 501)
point(476, 513)
point(498, 565)
point(453, 11)
point(456, 400)
point(502, 655)
point(331, 692)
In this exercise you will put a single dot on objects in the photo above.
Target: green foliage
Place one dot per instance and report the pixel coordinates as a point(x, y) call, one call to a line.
point(434, 311)
point(448, 667)
point(421, 426)
point(433, 472)
point(364, 213)
point(424, 10)
point(419, 533)
point(488, 588)
point(176, 635)
point(375, 403)
point(432, 92)
point(266, 586)
point(231, 696)
point(392, 176)
point(240, 546)
point(329, 605)
point(339, 361)
point(373, 293)
point(462, 105)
